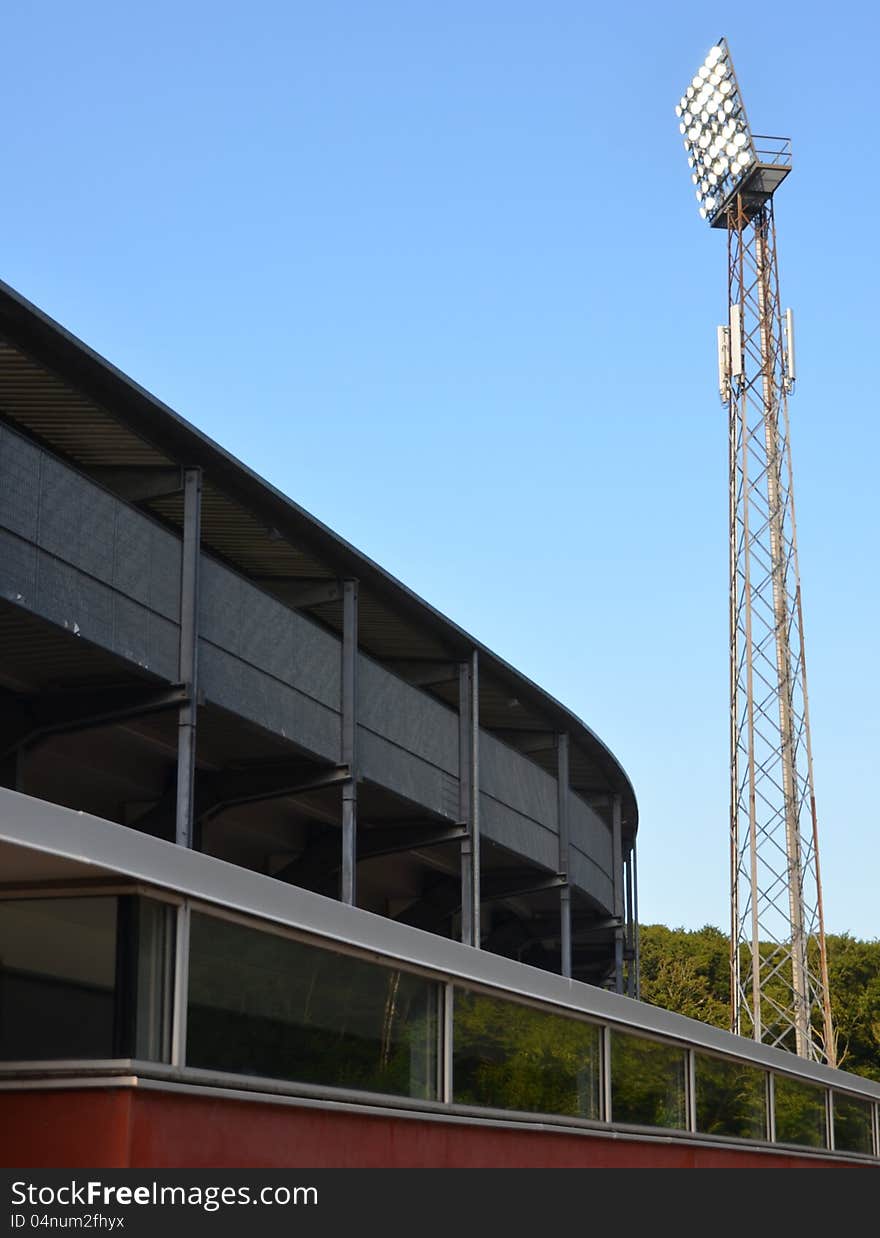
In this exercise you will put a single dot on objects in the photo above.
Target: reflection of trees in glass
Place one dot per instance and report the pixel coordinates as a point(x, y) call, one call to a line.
point(647, 1082)
point(800, 1112)
point(262, 1004)
point(731, 1098)
point(510, 1056)
point(852, 1124)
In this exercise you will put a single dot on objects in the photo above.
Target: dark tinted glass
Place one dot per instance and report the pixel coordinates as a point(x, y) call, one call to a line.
point(647, 1082)
point(731, 1098)
point(800, 1113)
point(85, 978)
point(58, 978)
point(510, 1056)
point(852, 1124)
point(261, 1004)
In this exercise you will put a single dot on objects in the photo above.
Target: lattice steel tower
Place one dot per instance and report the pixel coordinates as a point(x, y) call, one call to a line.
point(778, 964)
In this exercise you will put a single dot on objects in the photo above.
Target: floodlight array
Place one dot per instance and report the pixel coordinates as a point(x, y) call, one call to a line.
point(717, 138)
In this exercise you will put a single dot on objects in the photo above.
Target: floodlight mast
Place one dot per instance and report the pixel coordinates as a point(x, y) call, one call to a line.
point(778, 960)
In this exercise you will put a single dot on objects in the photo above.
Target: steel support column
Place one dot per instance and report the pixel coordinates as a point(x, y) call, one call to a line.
point(469, 796)
point(348, 877)
point(617, 862)
point(562, 792)
point(636, 951)
point(180, 986)
point(188, 664)
point(630, 930)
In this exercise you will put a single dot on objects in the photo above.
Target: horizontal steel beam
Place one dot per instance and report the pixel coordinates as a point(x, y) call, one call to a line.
point(323, 860)
point(512, 887)
point(230, 788)
point(442, 896)
point(526, 740)
point(422, 672)
point(31, 719)
point(217, 791)
point(583, 926)
point(301, 592)
point(139, 483)
point(388, 840)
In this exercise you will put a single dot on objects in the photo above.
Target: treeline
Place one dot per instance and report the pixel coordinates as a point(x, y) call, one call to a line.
point(688, 971)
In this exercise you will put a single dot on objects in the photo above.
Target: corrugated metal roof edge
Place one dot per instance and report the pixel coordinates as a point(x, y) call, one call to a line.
point(55, 346)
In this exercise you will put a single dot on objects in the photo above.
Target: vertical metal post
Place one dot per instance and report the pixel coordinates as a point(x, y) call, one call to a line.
point(617, 861)
point(607, 1097)
point(630, 938)
point(188, 662)
point(464, 795)
point(780, 553)
point(562, 784)
point(734, 273)
point(181, 986)
point(829, 1042)
point(475, 797)
point(348, 891)
point(446, 1082)
point(469, 796)
point(739, 409)
point(636, 949)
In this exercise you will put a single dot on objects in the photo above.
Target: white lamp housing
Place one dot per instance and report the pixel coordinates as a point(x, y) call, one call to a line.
point(718, 140)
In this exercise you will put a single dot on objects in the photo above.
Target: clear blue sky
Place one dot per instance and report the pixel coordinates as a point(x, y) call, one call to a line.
point(436, 270)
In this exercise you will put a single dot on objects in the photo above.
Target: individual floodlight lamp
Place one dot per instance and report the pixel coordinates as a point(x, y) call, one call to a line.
point(719, 143)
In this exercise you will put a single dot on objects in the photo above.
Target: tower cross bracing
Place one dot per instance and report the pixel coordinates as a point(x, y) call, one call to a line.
point(778, 961)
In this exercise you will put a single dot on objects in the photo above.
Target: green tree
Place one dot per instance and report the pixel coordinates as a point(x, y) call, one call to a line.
point(854, 981)
point(688, 971)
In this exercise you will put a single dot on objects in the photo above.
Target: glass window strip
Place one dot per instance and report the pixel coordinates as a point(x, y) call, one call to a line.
point(277, 928)
point(800, 1111)
point(732, 1098)
point(821, 1134)
point(852, 1123)
point(513, 1056)
point(84, 978)
point(264, 1004)
point(648, 1082)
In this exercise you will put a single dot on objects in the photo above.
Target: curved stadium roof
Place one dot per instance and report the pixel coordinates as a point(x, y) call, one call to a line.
point(81, 407)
